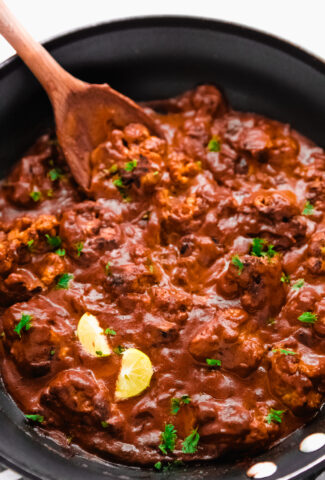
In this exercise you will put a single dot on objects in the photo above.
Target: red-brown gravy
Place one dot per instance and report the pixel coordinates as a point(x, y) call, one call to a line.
point(210, 245)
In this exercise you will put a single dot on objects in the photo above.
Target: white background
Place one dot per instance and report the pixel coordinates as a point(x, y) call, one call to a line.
point(300, 21)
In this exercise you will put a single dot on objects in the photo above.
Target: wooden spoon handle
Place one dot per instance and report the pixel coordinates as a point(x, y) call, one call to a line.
point(55, 80)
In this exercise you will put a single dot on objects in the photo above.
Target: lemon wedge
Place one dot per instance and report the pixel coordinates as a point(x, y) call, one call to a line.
point(92, 336)
point(135, 374)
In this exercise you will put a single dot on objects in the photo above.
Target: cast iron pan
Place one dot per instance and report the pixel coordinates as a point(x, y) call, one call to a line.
point(150, 58)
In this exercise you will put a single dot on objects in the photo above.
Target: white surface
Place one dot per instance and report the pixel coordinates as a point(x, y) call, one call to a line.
point(299, 21)
point(9, 475)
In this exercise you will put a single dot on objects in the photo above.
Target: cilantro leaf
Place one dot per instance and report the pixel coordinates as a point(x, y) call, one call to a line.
point(258, 245)
point(54, 242)
point(104, 424)
point(168, 439)
point(214, 145)
point(285, 278)
point(118, 182)
point(79, 247)
point(308, 208)
point(284, 351)
point(35, 418)
point(25, 323)
point(119, 350)
point(35, 195)
point(60, 252)
point(176, 403)
point(158, 466)
point(275, 416)
point(299, 284)
point(190, 443)
point(238, 263)
point(63, 281)
point(110, 331)
point(130, 166)
point(108, 268)
point(55, 174)
point(212, 362)
point(30, 243)
point(308, 317)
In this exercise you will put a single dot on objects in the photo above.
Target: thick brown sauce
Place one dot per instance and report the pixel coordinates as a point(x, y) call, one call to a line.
point(172, 290)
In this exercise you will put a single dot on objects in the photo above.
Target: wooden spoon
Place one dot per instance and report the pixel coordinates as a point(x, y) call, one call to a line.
point(83, 112)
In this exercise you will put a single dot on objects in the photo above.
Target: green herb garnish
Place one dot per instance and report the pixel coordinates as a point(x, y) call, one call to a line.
point(25, 323)
point(308, 317)
point(271, 321)
point(79, 247)
point(55, 174)
point(299, 284)
point(54, 242)
point(275, 416)
point(113, 168)
point(118, 182)
point(119, 350)
point(104, 424)
point(158, 466)
point(35, 418)
point(63, 281)
point(168, 439)
point(258, 248)
point(130, 166)
point(308, 208)
point(214, 145)
point(60, 252)
point(190, 443)
point(52, 352)
point(110, 331)
point(285, 278)
point(176, 403)
point(30, 243)
point(35, 195)
point(238, 263)
point(212, 362)
point(284, 351)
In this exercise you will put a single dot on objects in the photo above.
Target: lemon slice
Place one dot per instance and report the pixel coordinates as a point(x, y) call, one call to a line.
point(135, 374)
point(92, 336)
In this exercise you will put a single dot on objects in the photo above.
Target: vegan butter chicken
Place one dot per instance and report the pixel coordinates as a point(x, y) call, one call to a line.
point(176, 312)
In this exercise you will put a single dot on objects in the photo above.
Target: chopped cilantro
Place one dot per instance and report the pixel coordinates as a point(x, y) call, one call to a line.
point(275, 416)
point(299, 284)
point(238, 263)
point(168, 439)
point(104, 424)
point(30, 243)
point(108, 268)
point(308, 208)
point(284, 351)
point(63, 281)
point(52, 352)
point(258, 245)
point(25, 323)
point(99, 353)
point(54, 242)
point(113, 168)
point(60, 252)
point(119, 350)
point(212, 362)
point(214, 145)
point(271, 321)
point(55, 174)
point(118, 182)
point(285, 278)
point(130, 166)
point(176, 403)
point(110, 331)
point(158, 466)
point(35, 418)
point(308, 317)
point(79, 247)
point(35, 195)
point(190, 443)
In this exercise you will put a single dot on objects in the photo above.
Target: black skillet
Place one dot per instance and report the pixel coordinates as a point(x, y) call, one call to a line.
point(150, 58)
